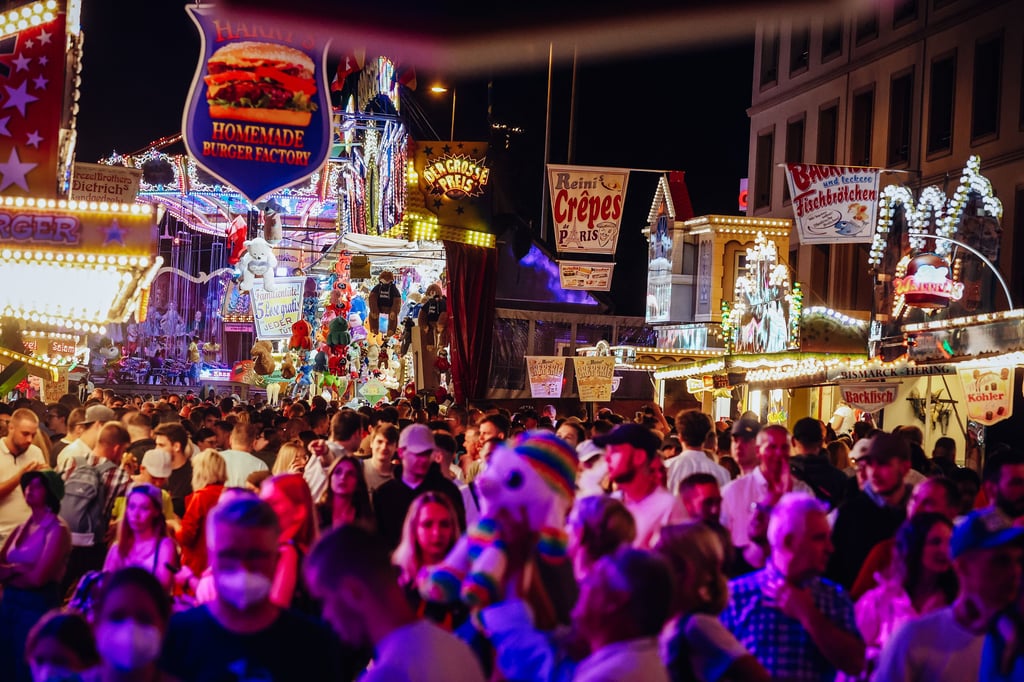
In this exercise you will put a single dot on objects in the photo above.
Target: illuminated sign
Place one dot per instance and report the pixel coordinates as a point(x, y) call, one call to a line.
point(988, 393)
point(586, 204)
point(927, 283)
point(456, 176)
point(869, 396)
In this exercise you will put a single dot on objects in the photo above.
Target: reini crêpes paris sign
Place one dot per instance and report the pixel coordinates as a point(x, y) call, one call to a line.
point(258, 117)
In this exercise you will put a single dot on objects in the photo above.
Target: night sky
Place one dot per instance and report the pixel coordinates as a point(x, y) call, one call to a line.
point(675, 111)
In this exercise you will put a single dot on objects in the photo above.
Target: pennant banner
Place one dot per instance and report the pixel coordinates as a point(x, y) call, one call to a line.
point(275, 312)
point(869, 396)
point(545, 375)
point(594, 378)
point(258, 116)
point(585, 275)
point(833, 204)
point(988, 392)
point(586, 204)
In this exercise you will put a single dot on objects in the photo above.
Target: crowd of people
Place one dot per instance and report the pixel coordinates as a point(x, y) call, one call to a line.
point(177, 538)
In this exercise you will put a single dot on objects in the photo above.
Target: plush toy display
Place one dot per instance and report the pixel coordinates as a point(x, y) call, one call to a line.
point(263, 361)
point(434, 315)
point(407, 325)
point(302, 336)
point(288, 367)
point(383, 356)
point(320, 359)
point(443, 367)
point(385, 299)
point(356, 328)
point(339, 333)
point(257, 261)
point(537, 478)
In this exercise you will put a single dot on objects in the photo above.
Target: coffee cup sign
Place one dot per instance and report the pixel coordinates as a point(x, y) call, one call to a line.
point(988, 392)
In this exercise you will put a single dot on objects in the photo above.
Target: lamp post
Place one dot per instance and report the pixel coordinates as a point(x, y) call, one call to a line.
point(440, 89)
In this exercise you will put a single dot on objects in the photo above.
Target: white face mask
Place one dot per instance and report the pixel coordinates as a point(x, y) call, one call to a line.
point(128, 645)
point(241, 589)
point(589, 480)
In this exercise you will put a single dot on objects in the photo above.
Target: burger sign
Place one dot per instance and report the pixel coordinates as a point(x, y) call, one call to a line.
point(258, 115)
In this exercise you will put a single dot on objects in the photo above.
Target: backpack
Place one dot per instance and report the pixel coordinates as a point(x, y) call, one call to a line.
point(82, 506)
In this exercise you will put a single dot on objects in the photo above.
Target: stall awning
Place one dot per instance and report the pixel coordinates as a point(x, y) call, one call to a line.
point(780, 370)
point(26, 365)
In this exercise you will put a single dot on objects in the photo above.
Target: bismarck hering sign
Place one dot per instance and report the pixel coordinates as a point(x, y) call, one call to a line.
point(258, 117)
point(456, 176)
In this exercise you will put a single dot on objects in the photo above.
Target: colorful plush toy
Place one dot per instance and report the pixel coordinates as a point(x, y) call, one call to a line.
point(443, 367)
point(338, 335)
point(356, 328)
point(433, 318)
point(320, 359)
point(536, 478)
point(288, 367)
point(385, 299)
point(257, 261)
point(302, 336)
point(262, 358)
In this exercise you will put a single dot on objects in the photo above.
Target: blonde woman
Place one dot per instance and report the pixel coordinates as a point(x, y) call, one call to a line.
point(209, 473)
point(291, 458)
point(142, 538)
point(695, 644)
point(597, 526)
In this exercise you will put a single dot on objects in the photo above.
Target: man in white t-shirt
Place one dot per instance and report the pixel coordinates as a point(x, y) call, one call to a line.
point(18, 456)
point(630, 450)
point(79, 452)
point(350, 571)
point(693, 427)
point(239, 459)
point(946, 646)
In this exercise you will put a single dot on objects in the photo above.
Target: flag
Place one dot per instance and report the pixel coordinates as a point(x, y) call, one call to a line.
point(407, 76)
point(350, 63)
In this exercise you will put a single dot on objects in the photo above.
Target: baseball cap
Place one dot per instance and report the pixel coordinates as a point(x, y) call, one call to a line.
point(157, 462)
point(886, 446)
point(745, 428)
point(416, 438)
point(98, 413)
point(588, 450)
point(983, 529)
point(632, 434)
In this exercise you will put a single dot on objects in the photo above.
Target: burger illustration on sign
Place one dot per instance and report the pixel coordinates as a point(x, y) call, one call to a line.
point(262, 83)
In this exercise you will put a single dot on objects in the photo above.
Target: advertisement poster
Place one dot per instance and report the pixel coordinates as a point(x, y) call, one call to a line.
point(833, 204)
point(455, 181)
point(55, 390)
point(869, 396)
point(585, 275)
point(258, 116)
point(99, 182)
point(586, 205)
point(275, 313)
point(545, 375)
point(988, 392)
point(594, 378)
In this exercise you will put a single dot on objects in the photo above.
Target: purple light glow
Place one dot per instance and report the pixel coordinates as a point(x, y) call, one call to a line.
point(537, 261)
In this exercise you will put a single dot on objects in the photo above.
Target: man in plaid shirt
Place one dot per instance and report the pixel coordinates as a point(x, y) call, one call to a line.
point(797, 624)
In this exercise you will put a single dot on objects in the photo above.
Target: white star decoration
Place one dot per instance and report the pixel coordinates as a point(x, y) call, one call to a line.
point(44, 37)
point(13, 172)
point(34, 139)
point(18, 97)
point(22, 63)
point(40, 82)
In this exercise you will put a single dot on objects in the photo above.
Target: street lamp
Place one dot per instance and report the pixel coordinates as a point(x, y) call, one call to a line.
point(440, 89)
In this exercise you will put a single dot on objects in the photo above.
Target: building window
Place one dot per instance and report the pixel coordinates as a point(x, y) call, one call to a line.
point(828, 127)
point(763, 170)
point(867, 26)
point(940, 104)
point(769, 57)
point(794, 149)
point(860, 127)
point(799, 47)
point(901, 109)
point(903, 12)
point(831, 40)
point(988, 62)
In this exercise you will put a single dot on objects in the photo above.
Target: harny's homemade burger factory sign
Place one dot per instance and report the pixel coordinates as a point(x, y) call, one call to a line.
point(258, 117)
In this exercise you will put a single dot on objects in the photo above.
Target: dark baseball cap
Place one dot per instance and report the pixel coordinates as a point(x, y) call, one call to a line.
point(984, 529)
point(745, 428)
point(886, 446)
point(631, 434)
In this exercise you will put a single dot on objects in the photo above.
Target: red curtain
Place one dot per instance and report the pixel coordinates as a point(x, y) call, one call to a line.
point(472, 276)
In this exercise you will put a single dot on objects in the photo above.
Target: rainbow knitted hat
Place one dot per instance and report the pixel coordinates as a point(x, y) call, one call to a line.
point(551, 457)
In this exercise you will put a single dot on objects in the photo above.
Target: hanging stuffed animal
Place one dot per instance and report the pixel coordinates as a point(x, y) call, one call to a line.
point(383, 356)
point(273, 393)
point(237, 231)
point(385, 299)
point(301, 336)
point(536, 478)
point(288, 367)
point(338, 336)
point(434, 315)
point(320, 360)
point(263, 360)
point(356, 328)
point(407, 325)
point(257, 261)
point(443, 367)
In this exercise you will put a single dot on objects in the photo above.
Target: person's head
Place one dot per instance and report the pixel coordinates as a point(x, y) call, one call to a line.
point(95, 417)
point(910, 433)
point(862, 430)
point(808, 435)
point(799, 536)
point(701, 497)
point(242, 535)
point(350, 572)
point(205, 439)
point(155, 467)
point(922, 550)
point(773, 449)
point(59, 646)
point(131, 618)
point(944, 449)
point(571, 432)
point(291, 454)
point(42, 489)
point(693, 427)
point(208, 468)
point(969, 484)
point(383, 443)
point(987, 553)
point(429, 532)
point(143, 516)
point(223, 429)
point(416, 448)
point(243, 436)
point(75, 426)
point(670, 447)
point(696, 555)
point(289, 496)
point(347, 429)
point(598, 525)
point(494, 428)
point(57, 418)
point(626, 595)
point(629, 451)
point(888, 461)
point(743, 445)
point(1003, 477)
point(113, 442)
point(935, 495)
point(21, 430)
point(171, 437)
point(839, 454)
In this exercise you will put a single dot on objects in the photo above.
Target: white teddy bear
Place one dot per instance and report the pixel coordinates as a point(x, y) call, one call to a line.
point(257, 261)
